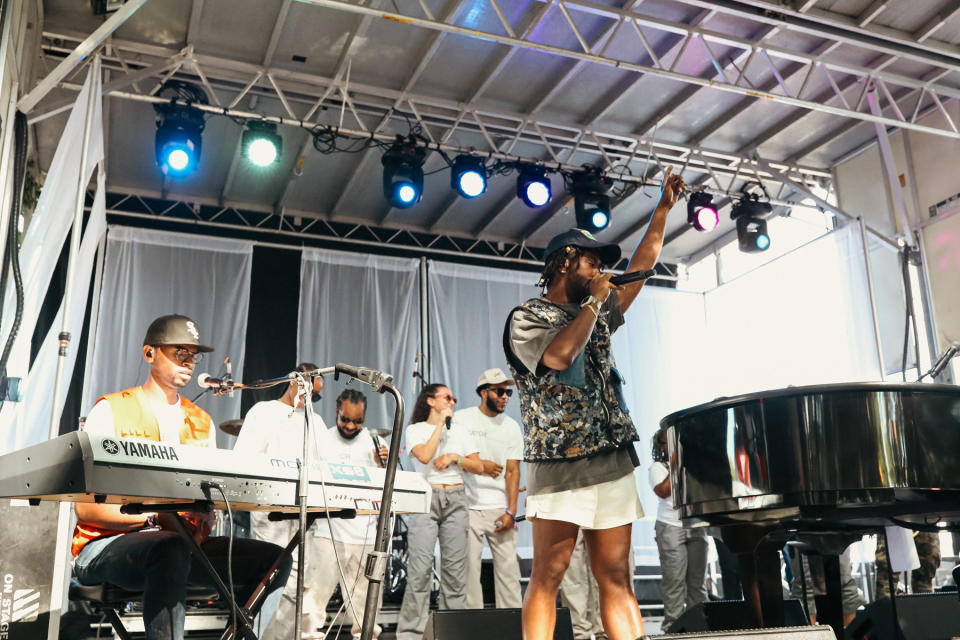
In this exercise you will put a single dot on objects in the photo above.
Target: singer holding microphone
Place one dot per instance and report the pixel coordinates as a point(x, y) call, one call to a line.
point(441, 450)
point(578, 435)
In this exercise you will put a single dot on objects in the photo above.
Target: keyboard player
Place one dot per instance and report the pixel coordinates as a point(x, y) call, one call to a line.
point(140, 552)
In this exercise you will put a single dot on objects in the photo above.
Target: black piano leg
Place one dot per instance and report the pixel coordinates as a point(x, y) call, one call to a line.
point(761, 586)
point(831, 611)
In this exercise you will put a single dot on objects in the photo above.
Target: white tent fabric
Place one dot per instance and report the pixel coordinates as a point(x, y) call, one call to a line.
point(153, 273)
point(50, 224)
point(804, 318)
point(360, 310)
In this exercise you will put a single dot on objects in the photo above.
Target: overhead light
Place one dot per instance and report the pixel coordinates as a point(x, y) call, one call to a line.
point(533, 186)
point(591, 200)
point(178, 139)
point(701, 212)
point(261, 144)
point(468, 176)
point(403, 173)
point(750, 213)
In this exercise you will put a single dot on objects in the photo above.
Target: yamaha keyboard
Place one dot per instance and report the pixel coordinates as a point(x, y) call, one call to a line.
point(79, 467)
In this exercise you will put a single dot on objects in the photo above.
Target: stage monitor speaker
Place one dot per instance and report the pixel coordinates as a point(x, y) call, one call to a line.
point(729, 615)
point(819, 632)
point(931, 616)
point(484, 624)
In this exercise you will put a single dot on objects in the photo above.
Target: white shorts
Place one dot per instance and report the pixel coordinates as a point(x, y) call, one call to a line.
point(600, 506)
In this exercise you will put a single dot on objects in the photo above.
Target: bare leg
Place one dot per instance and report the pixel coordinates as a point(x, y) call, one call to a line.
point(553, 542)
point(609, 558)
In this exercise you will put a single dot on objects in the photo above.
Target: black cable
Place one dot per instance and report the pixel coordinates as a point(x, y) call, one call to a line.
point(11, 255)
point(233, 596)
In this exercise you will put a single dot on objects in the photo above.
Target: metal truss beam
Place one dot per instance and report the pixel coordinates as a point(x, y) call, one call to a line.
point(205, 212)
point(78, 55)
point(829, 24)
point(551, 136)
point(768, 53)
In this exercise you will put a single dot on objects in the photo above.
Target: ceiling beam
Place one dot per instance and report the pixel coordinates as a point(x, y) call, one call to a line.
point(78, 55)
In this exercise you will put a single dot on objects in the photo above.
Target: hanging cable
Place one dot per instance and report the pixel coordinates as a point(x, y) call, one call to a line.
point(11, 256)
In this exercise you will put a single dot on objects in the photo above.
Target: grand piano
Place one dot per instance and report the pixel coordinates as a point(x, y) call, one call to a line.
point(828, 462)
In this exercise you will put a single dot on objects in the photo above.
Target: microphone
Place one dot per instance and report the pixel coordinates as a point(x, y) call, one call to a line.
point(448, 421)
point(377, 444)
point(944, 360)
point(217, 384)
point(633, 276)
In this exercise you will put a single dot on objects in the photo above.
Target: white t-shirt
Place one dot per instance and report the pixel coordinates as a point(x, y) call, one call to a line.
point(498, 439)
point(358, 451)
point(456, 440)
point(170, 419)
point(275, 429)
point(665, 511)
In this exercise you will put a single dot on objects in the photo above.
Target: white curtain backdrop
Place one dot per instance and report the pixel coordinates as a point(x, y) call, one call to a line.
point(804, 318)
point(152, 273)
point(659, 352)
point(360, 310)
point(24, 425)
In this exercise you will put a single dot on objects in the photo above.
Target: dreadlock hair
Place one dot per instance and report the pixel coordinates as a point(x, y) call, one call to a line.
point(352, 396)
point(421, 410)
point(656, 453)
point(555, 262)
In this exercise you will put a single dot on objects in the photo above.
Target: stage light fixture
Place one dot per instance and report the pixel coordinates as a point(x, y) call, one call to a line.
point(701, 212)
point(468, 176)
point(749, 213)
point(591, 200)
point(533, 186)
point(178, 139)
point(403, 173)
point(261, 144)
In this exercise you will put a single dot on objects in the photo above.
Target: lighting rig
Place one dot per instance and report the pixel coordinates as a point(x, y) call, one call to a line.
point(750, 213)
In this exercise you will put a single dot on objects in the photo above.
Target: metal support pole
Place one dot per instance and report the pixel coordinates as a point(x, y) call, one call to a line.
point(424, 321)
point(890, 167)
point(82, 180)
point(94, 314)
point(873, 300)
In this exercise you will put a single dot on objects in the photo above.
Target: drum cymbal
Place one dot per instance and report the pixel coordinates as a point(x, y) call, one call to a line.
point(231, 426)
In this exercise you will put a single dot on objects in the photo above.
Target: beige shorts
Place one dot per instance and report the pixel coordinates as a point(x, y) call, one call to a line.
point(600, 506)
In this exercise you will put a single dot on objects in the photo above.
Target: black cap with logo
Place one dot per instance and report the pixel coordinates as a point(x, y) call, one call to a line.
point(175, 329)
point(609, 253)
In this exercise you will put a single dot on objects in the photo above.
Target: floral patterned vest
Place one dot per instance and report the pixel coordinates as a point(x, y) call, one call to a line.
point(575, 413)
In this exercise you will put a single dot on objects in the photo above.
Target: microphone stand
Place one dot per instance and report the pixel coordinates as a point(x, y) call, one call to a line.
point(376, 562)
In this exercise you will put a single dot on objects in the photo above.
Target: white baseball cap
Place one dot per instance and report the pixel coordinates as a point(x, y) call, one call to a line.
point(493, 376)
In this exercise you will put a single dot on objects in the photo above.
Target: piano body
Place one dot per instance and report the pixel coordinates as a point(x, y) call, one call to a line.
point(833, 460)
point(78, 467)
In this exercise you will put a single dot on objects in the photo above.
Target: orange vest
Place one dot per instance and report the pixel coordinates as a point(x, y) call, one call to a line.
point(133, 417)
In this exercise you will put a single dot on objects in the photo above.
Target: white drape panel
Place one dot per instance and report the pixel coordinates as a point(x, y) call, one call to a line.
point(804, 318)
point(468, 307)
point(659, 352)
point(38, 257)
point(360, 310)
point(152, 273)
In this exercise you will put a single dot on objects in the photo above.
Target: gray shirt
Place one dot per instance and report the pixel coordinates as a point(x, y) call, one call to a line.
point(529, 337)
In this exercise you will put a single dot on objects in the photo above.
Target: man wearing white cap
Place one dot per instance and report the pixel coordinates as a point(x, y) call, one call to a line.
point(492, 496)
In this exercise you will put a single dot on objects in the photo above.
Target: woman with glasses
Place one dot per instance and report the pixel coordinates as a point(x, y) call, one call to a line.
point(441, 451)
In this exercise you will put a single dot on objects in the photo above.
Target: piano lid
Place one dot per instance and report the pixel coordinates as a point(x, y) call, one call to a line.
point(825, 454)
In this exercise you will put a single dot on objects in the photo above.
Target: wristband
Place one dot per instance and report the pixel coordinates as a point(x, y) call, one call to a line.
point(596, 314)
point(460, 461)
point(511, 513)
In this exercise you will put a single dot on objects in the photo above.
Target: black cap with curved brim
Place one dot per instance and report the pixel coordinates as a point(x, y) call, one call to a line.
point(609, 253)
point(175, 329)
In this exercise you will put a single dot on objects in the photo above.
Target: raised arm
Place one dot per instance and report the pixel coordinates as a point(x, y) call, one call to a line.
point(648, 250)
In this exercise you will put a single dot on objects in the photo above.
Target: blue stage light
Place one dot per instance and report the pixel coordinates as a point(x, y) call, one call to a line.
point(403, 173)
point(591, 200)
point(468, 176)
point(533, 186)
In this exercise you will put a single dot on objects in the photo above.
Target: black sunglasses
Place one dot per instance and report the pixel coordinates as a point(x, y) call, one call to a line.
point(501, 391)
